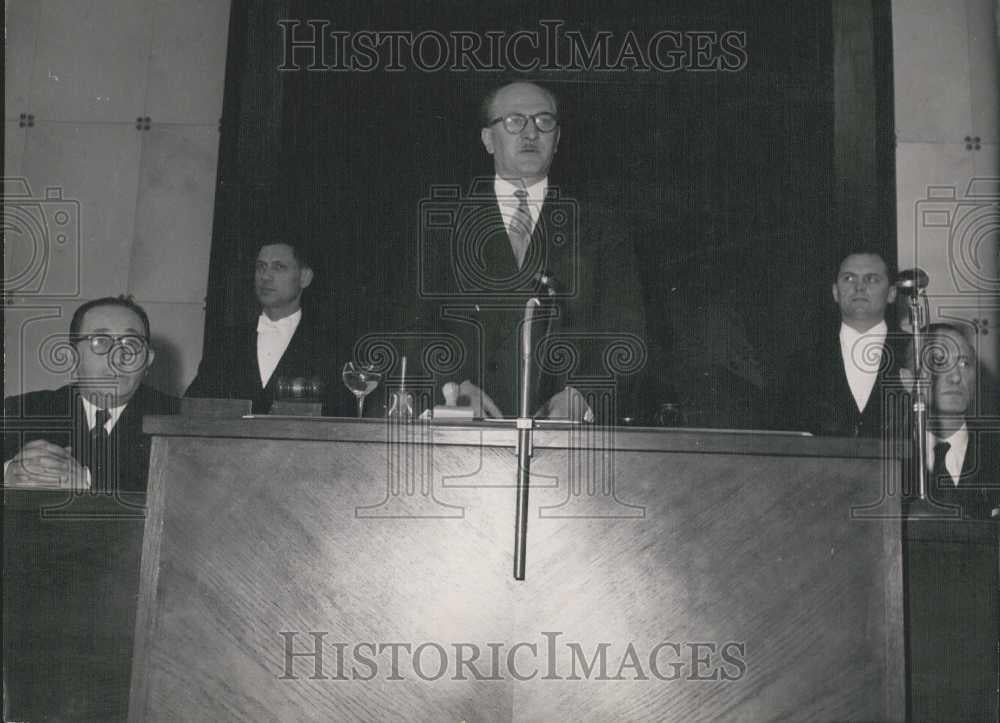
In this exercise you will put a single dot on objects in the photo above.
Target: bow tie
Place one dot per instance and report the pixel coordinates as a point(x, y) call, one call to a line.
point(281, 326)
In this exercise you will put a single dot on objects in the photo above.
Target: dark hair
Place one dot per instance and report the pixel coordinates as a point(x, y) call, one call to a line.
point(889, 269)
point(932, 330)
point(123, 301)
point(300, 252)
point(486, 107)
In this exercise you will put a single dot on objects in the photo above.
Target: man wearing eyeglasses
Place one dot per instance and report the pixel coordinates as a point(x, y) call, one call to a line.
point(88, 434)
point(512, 229)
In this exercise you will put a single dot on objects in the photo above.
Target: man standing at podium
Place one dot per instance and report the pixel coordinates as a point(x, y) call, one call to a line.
point(841, 382)
point(89, 433)
point(510, 230)
point(286, 341)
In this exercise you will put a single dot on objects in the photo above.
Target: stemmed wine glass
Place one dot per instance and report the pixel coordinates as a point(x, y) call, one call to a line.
point(361, 379)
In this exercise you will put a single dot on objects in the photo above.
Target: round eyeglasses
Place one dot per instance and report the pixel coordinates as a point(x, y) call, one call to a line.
point(130, 344)
point(514, 123)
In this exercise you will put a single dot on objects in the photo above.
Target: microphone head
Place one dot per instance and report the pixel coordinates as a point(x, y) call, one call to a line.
point(911, 281)
point(546, 281)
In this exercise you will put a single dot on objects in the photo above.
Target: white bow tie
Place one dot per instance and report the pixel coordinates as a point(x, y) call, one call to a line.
point(267, 326)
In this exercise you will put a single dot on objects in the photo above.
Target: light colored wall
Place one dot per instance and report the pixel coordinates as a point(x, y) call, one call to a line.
point(947, 90)
point(86, 70)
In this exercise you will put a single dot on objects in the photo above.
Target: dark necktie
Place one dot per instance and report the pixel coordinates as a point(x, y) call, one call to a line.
point(100, 461)
point(939, 472)
point(520, 227)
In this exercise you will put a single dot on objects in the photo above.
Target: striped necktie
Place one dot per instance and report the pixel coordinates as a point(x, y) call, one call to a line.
point(520, 227)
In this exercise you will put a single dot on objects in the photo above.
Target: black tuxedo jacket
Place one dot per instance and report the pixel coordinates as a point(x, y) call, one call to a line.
point(818, 399)
point(229, 370)
point(58, 416)
point(472, 288)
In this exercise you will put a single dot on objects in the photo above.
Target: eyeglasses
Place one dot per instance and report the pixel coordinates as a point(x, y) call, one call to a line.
point(514, 123)
point(130, 344)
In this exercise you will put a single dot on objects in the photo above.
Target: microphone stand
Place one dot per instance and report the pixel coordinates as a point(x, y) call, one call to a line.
point(525, 425)
point(922, 506)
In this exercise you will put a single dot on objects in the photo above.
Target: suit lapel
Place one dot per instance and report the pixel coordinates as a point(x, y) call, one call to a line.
point(288, 363)
point(253, 385)
point(969, 466)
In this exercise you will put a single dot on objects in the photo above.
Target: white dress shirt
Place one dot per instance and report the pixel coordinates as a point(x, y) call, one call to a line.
point(272, 341)
point(953, 461)
point(90, 410)
point(862, 354)
point(508, 202)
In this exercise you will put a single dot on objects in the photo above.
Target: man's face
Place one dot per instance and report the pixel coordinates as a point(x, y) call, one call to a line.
point(279, 279)
point(862, 290)
point(110, 380)
point(526, 155)
point(951, 364)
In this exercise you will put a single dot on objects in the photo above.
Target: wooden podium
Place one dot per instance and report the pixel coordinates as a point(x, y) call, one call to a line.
point(357, 570)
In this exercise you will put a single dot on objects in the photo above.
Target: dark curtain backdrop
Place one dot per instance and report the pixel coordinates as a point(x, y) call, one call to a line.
point(741, 189)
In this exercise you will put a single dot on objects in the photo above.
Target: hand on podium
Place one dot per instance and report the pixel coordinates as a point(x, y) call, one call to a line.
point(44, 465)
point(482, 405)
point(567, 404)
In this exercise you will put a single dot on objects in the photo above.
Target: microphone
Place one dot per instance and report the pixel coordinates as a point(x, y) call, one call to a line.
point(911, 281)
point(545, 284)
point(527, 343)
point(544, 293)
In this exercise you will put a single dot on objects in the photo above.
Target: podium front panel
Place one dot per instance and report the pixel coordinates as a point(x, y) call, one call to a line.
point(333, 570)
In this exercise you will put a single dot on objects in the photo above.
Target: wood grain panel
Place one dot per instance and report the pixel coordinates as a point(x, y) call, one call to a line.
point(363, 542)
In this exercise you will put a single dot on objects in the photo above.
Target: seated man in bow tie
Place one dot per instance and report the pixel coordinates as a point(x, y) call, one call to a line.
point(963, 452)
point(88, 434)
point(286, 341)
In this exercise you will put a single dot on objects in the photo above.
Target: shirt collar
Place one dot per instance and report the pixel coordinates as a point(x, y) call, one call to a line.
point(504, 189)
point(959, 439)
point(286, 324)
point(90, 410)
point(850, 334)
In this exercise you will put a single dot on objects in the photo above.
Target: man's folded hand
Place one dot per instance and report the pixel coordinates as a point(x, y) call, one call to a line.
point(44, 465)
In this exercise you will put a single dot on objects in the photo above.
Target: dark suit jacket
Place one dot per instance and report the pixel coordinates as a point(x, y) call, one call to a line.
point(229, 370)
point(817, 397)
point(978, 489)
point(58, 417)
point(71, 584)
point(472, 288)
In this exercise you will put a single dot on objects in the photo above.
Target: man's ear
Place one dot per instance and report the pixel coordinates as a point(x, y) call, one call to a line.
point(486, 136)
point(305, 277)
point(892, 294)
point(836, 293)
point(150, 358)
